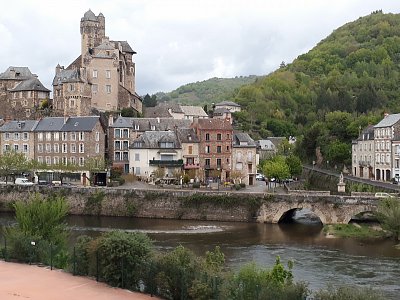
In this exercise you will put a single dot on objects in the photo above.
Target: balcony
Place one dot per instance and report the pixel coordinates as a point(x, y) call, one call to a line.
point(191, 166)
point(166, 163)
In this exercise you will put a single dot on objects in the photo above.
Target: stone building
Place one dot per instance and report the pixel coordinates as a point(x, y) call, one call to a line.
point(229, 105)
point(123, 131)
point(363, 154)
point(190, 151)
point(215, 148)
point(102, 77)
point(18, 136)
point(244, 158)
point(22, 95)
point(175, 111)
point(69, 140)
point(153, 150)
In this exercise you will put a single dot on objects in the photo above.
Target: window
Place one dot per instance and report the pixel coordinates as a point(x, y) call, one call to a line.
point(117, 145)
point(207, 136)
point(48, 136)
point(97, 148)
point(25, 148)
point(97, 136)
point(7, 147)
point(73, 148)
point(108, 74)
point(125, 133)
point(190, 150)
point(56, 136)
point(219, 149)
point(64, 160)
point(239, 156)
point(125, 145)
point(73, 136)
point(207, 149)
point(207, 162)
point(81, 136)
point(239, 166)
point(397, 165)
point(40, 159)
point(16, 147)
point(71, 102)
point(108, 89)
point(64, 136)
point(117, 133)
point(227, 148)
point(81, 148)
point(137, 156)
point(94, 73)
point(40, 148)
point(219, 163)
point(71, 88)
point(137, 171)
point(72, 160)
point(25, 136)
point(64, 148)
point(16, 136)
point(249, 156)
point(219, 137)
point(166, 145)
point(81, 161)
point(48, 148)
point(48, 160)
point(117, 156)
point(56, 148)
point(95, 88)
point(56, 160)
point(153, 127)
point(6, 136)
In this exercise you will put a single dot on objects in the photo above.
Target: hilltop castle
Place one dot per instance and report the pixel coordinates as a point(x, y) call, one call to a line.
point(101, 78)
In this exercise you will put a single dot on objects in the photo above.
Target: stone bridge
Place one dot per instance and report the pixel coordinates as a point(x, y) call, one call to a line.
point(331, 209)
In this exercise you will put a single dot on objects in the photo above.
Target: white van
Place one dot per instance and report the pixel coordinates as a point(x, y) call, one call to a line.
point(383, 195)
point(23, 181)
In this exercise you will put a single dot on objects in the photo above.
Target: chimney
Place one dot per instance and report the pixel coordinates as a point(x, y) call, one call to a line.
point(110, 120)
point(385, 114)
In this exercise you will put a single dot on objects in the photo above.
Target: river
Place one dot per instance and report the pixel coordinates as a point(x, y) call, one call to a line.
point(317, 260)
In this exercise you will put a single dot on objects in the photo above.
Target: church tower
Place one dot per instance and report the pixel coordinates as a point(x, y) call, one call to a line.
point(92, 31)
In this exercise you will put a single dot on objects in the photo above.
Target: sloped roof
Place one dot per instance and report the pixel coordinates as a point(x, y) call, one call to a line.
point(389, 120)
point(145, 124)
point(214, 124)
point(151, 140)
point(89, 16)
point(67, 75)
point(161, 110)
point(187, 135)
point(227, 103)
point(32, 84)
point(190, 110)
point(125, 46)
point(220, 111)
point(15, 126)
point(106, 45)
point(50, 124)
point(80, 123)
point(21, 73)
point(242, 139)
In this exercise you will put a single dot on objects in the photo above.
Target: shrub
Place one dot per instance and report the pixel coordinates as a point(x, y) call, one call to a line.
point(237, 187)
point(242, 185)
point(348, 292)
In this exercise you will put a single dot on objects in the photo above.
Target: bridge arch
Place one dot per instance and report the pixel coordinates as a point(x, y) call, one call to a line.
point(357, 210)
point(285, 210)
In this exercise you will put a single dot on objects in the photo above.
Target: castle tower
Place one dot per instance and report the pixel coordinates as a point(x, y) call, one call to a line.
point(92, 31)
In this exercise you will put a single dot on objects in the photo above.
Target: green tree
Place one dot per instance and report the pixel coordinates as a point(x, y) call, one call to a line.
point(295, 165)
point(339, 152)
point(42, 218)
point(388, 214)
point(12, 164)
point(277, 168)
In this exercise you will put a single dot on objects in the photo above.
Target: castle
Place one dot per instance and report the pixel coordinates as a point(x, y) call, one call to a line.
point(102, 77)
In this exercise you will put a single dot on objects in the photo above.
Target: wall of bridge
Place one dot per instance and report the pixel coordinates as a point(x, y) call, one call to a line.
point(196, 204)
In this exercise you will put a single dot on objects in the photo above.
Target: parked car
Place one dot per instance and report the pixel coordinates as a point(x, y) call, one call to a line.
point(383, 195)
point(260, 176)
point(23, 181)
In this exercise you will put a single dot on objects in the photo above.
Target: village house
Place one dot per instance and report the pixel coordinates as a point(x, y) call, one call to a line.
point(215, 148)
point(175, 111)
point(229, 105)
point(244, 158)
point(19, 136)
point(156, 150)
point(102, 77)
point(22, 95)
point(363, 156)
point(190, 152)
point(123, 131)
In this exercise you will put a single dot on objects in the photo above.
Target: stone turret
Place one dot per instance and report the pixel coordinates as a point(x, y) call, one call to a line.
point(92, 31)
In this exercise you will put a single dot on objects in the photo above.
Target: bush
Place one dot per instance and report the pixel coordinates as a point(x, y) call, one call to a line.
point(348, 293)
point(237, 187)
point(242, 185)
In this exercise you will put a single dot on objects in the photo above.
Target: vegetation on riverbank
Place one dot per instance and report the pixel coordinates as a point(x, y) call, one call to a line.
point(354, 231)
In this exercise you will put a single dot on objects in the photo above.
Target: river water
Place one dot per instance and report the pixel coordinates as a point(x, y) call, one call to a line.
point(317, 260)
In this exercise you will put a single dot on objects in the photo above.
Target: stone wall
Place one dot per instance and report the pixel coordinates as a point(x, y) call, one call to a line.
point(195, 205)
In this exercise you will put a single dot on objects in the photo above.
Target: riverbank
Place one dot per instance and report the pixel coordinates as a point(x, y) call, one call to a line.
point(354, 230)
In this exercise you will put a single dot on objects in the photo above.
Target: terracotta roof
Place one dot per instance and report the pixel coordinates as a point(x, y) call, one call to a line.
point(212, 124)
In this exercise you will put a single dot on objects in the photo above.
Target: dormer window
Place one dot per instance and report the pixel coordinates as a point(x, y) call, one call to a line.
point(166, 145)
point(137, 144)
point(136, 126)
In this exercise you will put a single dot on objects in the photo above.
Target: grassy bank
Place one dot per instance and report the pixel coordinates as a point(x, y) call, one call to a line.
point(354, 231)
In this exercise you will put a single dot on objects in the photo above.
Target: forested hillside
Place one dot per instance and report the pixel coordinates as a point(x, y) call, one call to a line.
point(328, 94)
point(207, 91)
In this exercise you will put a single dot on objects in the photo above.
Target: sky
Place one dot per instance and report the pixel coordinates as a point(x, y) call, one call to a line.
point(177, 41)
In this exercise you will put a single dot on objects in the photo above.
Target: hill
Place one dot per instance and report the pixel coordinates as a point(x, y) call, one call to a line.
point(209, 91)
point(327, 95)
